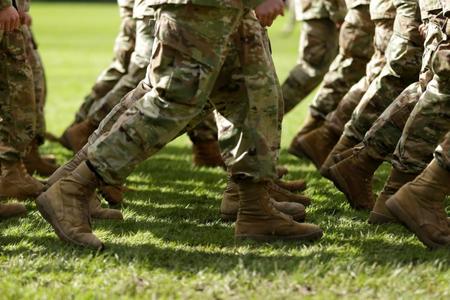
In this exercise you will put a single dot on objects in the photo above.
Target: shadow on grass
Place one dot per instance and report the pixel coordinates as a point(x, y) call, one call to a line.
point(178, 205)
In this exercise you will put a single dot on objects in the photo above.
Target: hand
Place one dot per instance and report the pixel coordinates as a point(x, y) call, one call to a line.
point(267, 11)
point(9, 19)
point(25, 18)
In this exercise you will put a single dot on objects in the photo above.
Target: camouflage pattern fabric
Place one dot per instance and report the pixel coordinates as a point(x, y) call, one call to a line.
point(123, 48)
point(334, 10)
point(430, 119)
point(339, 117)
point(383, 136)
point(442, 153)
point(140, 58)
point(317, 49)
point(182, 76)
point(404, 58)
point(355, 50)
point(17, 99)
point(40, 84)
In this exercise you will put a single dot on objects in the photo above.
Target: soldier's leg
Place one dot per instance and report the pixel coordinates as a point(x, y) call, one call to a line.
point(317, 144)
point(33, 161)
point(123, 48)
point(77, 135)
point(317, 49)
point(402, 68)
point(355, 51)
point(420, 204)
point(404, 58)
point(17, 112)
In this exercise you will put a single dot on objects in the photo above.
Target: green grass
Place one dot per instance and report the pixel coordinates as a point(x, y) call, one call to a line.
point(172, 243)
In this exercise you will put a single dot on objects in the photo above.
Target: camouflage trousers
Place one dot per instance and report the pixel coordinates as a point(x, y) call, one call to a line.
point(40, 84)
point(404, 57)
point(317, 49)
point(442, 153)
point(355, 50)
point(226, 58)
point(17, 99)
point(337, 119)
point(123, 48)
point(383, 136)
point(430, 119)
point(140, 59)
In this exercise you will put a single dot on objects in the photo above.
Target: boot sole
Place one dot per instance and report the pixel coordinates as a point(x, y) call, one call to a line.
point(380, 219)
point(407, 220)
point(335, 177)
point(273, 238)
point(232, 218)
point(48, 213)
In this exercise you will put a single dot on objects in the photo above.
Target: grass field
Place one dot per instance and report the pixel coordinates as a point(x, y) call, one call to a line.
point(172, 243)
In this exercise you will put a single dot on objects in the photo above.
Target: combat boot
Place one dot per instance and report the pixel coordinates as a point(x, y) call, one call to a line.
point(292, 185)
point(35, 163)
point(282, 195)
point(353, 176)
point(207, 154)
point(11, 210)
point(315, 145)
point(98, 212)
point(76, 136)
point(380, 214)
point(311, 122)
point(65, 205)
point(15, 182)
point(259, 220)
point(113, 194)
point(342, 150)
point(68, 167)
point(230, 205)
point(420, 206)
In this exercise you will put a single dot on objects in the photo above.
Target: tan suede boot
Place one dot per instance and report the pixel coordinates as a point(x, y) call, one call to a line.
point(420, 206)
point(207, 154)
point(114, 195)
point(311, 122)
point(68, 167)
point(380, 214)
point(15, 182)
point(292, 185)
point(65, 205)
point(259, 220)
point(76, 136)
point(98, 212)
point(11, 210)
point(282, 195)
point(342, 150)
point(35, 163)
point(315, 145)
point(230, 205)
point(353, 176)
